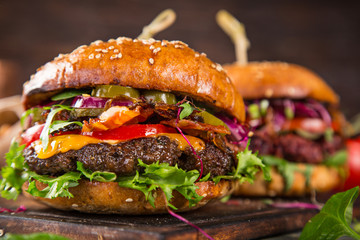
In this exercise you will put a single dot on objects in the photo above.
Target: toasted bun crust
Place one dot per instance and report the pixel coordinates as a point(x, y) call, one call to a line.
point(322, 179)
point(143, 64)
point(277, 80)
point(99, 197)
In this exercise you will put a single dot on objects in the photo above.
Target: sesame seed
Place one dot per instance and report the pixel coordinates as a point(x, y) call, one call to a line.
point(98, 56)
point(213, 65)
point(98, 50)
point(113, 57)
point(156, 50)
point(75, 205)
point(91, 56)
point(136, 40)
point(111, 47)
point(219, 67)
point(81, 50)
point(116, 50)
point(97, 42)
point(179, 46)
point(151, 61)
point(119, 41)
point(111, 40)
point(151, 47)
point(129, 200)
point(203, 54)
point(119, 55)
point(164, 43)
point(228, 80)
point(104, 51)
point(197, 55)
point(149, 41)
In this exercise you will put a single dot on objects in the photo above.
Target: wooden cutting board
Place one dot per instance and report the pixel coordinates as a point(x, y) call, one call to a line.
point(237, 219)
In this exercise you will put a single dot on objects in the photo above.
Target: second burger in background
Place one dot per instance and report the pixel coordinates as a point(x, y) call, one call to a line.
point(297, 126)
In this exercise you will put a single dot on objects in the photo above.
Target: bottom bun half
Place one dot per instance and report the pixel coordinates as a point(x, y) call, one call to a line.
point(110, 198)
point(322, 179)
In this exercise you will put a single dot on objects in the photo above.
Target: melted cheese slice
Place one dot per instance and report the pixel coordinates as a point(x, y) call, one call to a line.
point(64, 143)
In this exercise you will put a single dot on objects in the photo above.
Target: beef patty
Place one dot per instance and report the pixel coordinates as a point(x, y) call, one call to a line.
point(295, 148)
point(122, 158)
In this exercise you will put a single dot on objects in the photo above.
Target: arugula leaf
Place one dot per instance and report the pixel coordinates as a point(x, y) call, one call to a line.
point(33, 236)
point(248, 165)
point(13, 176)
point(97, 175)
point(166, 177)
point(51, 126)
point(69, 94)
point(334, 219)
point(57, 187)
point(57, 125)
point(186, 111)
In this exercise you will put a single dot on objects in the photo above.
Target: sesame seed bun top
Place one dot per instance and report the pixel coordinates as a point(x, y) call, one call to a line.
point(279, 80)
point(169, 66)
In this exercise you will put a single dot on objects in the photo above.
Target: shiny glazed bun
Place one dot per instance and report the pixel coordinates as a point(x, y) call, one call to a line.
point(169, 66)
point(279, 80)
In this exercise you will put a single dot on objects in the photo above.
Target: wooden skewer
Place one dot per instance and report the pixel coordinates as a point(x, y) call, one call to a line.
point(161, 22)
point(236, 31)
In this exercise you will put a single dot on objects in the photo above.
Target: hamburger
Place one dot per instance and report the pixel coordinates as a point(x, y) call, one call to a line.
point(297, 128)
point(129, 126)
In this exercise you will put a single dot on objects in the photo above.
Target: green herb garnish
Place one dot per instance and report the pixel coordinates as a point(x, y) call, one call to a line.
point(334, 219)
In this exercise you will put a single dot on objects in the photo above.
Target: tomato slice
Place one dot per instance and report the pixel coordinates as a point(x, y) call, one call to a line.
point(353, 163)
point(313, 125)
point(31, 134)
point(133, 131)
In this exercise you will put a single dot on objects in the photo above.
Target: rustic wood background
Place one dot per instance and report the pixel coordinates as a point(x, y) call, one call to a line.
point(321, 35)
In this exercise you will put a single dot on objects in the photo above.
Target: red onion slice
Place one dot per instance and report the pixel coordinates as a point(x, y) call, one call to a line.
point(95, 102)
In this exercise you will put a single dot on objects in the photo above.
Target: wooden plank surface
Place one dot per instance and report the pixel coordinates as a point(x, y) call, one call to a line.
point(237, 219)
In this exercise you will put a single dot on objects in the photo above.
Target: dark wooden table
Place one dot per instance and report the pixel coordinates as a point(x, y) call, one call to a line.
point(236, 219)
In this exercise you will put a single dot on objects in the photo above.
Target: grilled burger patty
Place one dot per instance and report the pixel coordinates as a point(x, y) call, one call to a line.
point(122, 158)
point(295, 148)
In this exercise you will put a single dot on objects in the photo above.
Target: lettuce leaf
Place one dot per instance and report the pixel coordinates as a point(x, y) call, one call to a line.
point(334, 219)
point(247, 166)
point(166, 177)
point(97, 175)
point(12, 174)
point(57, 186)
